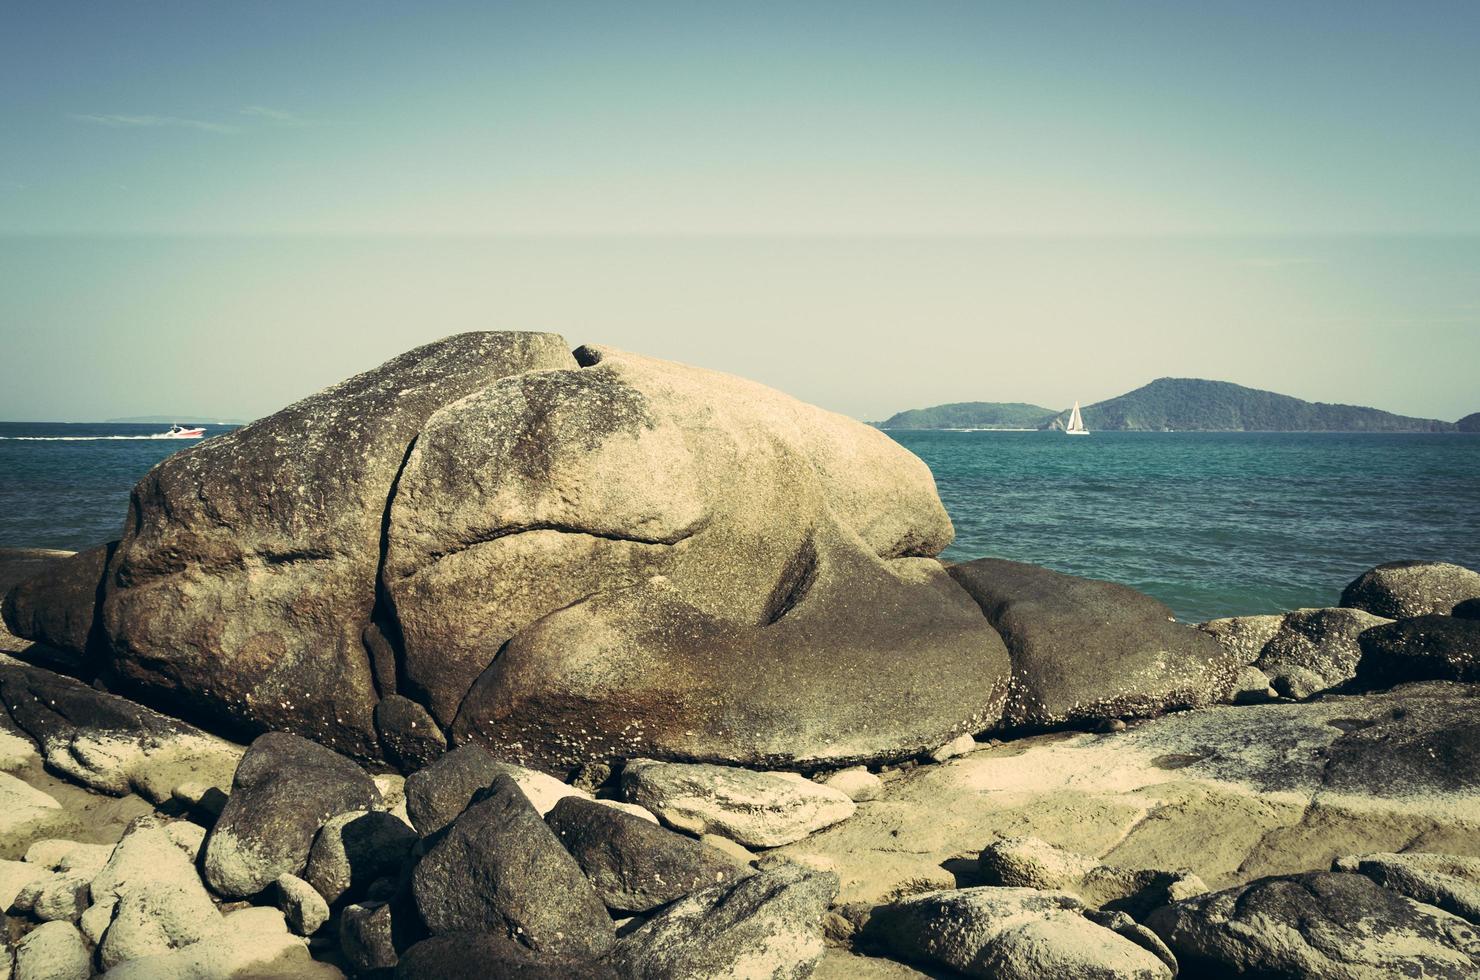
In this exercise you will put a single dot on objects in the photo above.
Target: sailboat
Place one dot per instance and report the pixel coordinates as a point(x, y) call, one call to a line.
point(1076, 423)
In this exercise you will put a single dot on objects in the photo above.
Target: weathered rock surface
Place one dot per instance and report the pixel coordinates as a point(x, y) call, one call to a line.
point(155, 899)
point(372, 933)
point(1010, 934)
point(635, 865)
point(1447, 881)
point(303, 908)
point(766, 926)
point(1401, 589)
point(354, 849)
point(1027, 862)
point(499, 869)
point(52, 951)
point(479, 956)
point(1316, 925)
point(1315, 650)
point(1085, 650)
point(757, 809)
point(437, 794)
point(107, 742)
point(409, 737)
point(252, 942)
point(1422, 648)
point(1243, 637)
point(59, 608)
point(247, 571)
point(857, 783)
point(284, 790)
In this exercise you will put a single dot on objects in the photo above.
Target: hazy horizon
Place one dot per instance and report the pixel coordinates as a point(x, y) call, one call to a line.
point(870, 206)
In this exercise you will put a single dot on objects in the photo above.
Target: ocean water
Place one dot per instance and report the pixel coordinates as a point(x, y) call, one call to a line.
point(1212, 524)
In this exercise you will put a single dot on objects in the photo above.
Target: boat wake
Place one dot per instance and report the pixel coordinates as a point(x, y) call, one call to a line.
point(157, 435)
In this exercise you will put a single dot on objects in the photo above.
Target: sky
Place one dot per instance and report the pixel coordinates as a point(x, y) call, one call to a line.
point(220, 207)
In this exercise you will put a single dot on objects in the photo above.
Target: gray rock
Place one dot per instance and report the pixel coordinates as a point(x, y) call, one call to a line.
point(1316, 924)
point(1085, 650)
point(1448, 881)
point(1401, 589)
point(1252, 687)
point(757, 809)
point(766, 926)
point(354, 849)
point(284, 790)
point(1027, 862)
point(1009, 934)
point(303, 908)
point(368, 935)
point(155, 898)
point(1315, 650)
point(635, 865)
point(409, 737)
point(1422, 648)
point(437, 794)
point(478, 956)
point(247, 573)
point(52, 951)
point(499, 869)
point(1243, 637)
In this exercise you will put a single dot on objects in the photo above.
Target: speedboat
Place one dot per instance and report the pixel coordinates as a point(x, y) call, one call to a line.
point(178, 431)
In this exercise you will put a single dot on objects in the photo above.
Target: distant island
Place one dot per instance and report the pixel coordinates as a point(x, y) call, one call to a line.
point(971, 415)
point(1181, 404)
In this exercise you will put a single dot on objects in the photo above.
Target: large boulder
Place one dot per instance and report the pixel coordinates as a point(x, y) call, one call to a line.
point(1400, 589)
point(1316, 925)
point(247, 570)
point(285, 789)
point(569, 558)
point(1083, 649)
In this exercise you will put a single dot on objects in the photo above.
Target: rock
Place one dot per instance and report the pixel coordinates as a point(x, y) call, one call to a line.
point(858, 784)
point(735, 852)
point(354, 849)
point(392, 787)
point(767, 925)
point(1027, 862)
point(478, 956)
point(108, 743)
point(1252, 686)
point(635, 865)
point(1243, 637)
point(370, 935)
point(1469, 609)
point(52, 951)
point(248, 570)
point(15, 876)
point(960, 745)
point(1447, 881)
point(1083, 650)
point(189, 837)
point(615, 530)
point(1401, 589)
point(251, 942)
point(57, 854)
point(757, 809)
point(1422, 648)
point(591, 776)
point(59, 607)
point(284, 790)
point(498, 868)
point(22, 805)
point(641, 812)
point(409, 737)
point(303, 908)
point(437, 794)
point(62, 897)
point(1315, 650)
point(1009, 934)
point(1128, 928)
point(1316, 924)
point(155, 898)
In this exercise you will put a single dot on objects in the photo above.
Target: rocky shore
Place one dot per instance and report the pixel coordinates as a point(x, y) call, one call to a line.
point(503, 661)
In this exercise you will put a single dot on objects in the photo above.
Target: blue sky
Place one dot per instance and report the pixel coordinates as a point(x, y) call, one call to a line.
point(1172, 174)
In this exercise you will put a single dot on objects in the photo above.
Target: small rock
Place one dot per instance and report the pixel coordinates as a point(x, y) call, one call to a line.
point(767, 925)
point(250, 942)
point(1252, 686)
point(1010, 934)
point(392, 786)
point(757, 809)
point(858, 784)
point(591, 776)
point(355, 848)
point(155, 899)
point(498, 868)
point(284, 790)
point(95, 920)
point(303, 908)
point(14, 877)
point(960, 745)
point(69, 855)
point(1402, 589)
point(1027, 862)
point(22, 804)
point(367, 935)
point(1243, 637)
point(635, 865)
point(52, 951)
point(63, 897)
point(437, 794)
point(409, 736)
point(1111, 725)
point(1128, 928)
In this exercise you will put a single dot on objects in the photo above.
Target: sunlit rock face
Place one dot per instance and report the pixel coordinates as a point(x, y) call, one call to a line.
point(564, 556)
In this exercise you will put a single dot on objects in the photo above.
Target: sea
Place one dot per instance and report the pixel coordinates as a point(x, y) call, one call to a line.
point(1211, 523)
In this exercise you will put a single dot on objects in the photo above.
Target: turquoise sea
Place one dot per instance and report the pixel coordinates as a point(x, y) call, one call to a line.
point(1213, 524)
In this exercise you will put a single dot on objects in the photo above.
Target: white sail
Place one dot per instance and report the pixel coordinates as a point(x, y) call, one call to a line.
point(1076, 423)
